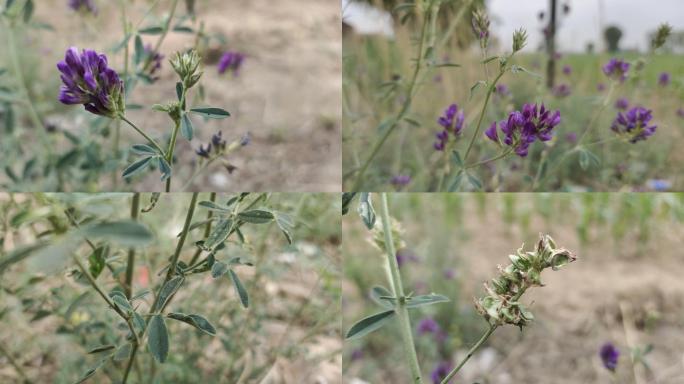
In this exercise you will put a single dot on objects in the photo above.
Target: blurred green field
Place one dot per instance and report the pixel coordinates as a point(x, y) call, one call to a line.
point(625, 287)
point(375, 76)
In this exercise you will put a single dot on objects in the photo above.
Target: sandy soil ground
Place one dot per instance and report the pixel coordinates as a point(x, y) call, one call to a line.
point(287, 95)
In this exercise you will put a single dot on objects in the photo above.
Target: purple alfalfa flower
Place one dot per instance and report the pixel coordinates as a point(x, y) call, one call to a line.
point(634, 125)
point(680, 112)
point(609, 356)
point(480, 23)
point(659, 185)
point(561, 90)
point(204, 152)
point(155, 61)
point(601, 87)
point(571, 137)
point(400, 181)
point(664, 79)
point(246, 139)
point(441, 371)
point(231, 61)
point(524, 127)
point(452, 122)
point(87, 80)
point(217, 141)
point(428, 325)
point(616, 69)
point(405, 255)
point(83, 5)
point(622, 103)
point(449, 273)
point(356, 354)
point(567, 69)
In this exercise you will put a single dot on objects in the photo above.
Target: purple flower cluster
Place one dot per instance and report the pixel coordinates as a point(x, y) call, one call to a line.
point(441, 371)
point(216, 141)
point(609, 356)
point(428, 325)
point(78, 5)
point(634, 124)
point(567, 69)
point(231, 61)
point(502, 90)
point(680, 112)
point(664, 79)
point(622, 103)
point(524, 127)
point(451, 121)
point(616, 69)
point(89, 81)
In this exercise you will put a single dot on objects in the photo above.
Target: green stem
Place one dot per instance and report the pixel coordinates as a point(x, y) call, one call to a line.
point(471, 352)
point(169, 274)
point(149, 139)
point(207, 229)
point(490, 90)
point(407, 103)
point(487, 161)
point(401, 309)
point(128, 286)
point(165, 31)
point(597, 114)
point(21, 80)
point(174, 135)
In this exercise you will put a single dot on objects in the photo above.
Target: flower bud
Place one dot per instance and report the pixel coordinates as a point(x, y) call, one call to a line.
point(481, 27)
point(187, 66)
point(378, 233)
point(661, 36)
point(519, 39)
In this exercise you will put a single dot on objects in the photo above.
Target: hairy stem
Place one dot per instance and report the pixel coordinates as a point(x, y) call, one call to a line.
point(207, 229)
point(401, 309)
point(128, 286)
point(174, 136)
point(490, 90)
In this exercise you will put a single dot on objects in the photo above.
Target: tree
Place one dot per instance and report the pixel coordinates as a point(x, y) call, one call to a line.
point(613, 34)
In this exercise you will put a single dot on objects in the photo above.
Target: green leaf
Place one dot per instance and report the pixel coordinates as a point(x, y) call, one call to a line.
point(186, 127)
point(447, 65)
point(28, 10)
point(517, 68)
point(588, 159)
point(102, 348)
point(256, 216)
point(213, 206)
point(165, 168)
point(123, 352)
point(285, 224)
point(169, 289)
point(9, 118)
point(489, 59)
point(179, 94)
point(423, 300)
point(96, 261)
point(138, 323)
point(369, 324)
point(124, 232)
point(183, 29)
point(456, 182)
point(378, 293)
point(456, 159)
point(139, 50)
point(218, 234)
point(403, 7)
point(239, 288)
point(196, 321)
point(211, 112)
point(366, 210)
point(158, 339)
point(137, 167)
point(142, 149)
point(90, 372)
point(121, 301)
point(474, 181)
point(347, 198)
point(19, 254)
point(219, 269)
point(151, 31)
point(475, 87)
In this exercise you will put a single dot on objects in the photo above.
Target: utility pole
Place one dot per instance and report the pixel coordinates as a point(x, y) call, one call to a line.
point(551, 46)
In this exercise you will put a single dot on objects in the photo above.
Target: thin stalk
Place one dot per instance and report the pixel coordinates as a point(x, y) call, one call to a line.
point(471, 352)
point(117, 127)
point(169, 274)
point(428, 19)
point(401, 309)
point(174, 137)
point(21, 80)
point(487, 161)
point(490, 90)
point(598, 113)
point(207, 229)
point(165, 31)
point(131, 361)
point(128, 286)
point(149, 139)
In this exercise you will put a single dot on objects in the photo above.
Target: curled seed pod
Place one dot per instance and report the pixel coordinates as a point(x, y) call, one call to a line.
point(502, 304)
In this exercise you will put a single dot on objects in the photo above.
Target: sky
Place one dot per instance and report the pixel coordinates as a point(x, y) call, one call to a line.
point(636, 18)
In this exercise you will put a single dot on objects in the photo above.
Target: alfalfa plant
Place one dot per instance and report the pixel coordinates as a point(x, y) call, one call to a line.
point(500, 305)
point(141, 317)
